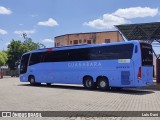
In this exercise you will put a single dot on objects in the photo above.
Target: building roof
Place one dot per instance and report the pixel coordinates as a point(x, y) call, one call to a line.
point(143, 31)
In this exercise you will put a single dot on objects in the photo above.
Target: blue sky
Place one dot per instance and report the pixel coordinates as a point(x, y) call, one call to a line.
point(42, 20)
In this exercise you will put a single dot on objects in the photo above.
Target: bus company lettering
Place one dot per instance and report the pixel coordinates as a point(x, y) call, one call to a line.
point(84, 64)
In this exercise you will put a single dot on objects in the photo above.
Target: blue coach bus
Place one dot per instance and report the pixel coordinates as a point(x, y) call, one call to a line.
point(103, 66)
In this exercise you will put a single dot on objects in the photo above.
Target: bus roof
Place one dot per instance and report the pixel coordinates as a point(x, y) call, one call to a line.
point(80, 46)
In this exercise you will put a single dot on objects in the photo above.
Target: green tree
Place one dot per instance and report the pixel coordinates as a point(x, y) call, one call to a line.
point(3, 58)
point(30, 44)
point(16, 48)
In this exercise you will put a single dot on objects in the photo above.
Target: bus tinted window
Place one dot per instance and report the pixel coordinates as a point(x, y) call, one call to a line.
point(147, 55)
point(66, 55)
point(97, 53)
point(56, 56)
point(112, 52)
point(48, 57)
point(35, 58)
point(24, 63)
point(79, 54)
point(60, 56)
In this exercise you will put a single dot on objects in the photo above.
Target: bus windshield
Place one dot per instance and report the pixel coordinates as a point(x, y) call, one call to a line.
point(147, 55)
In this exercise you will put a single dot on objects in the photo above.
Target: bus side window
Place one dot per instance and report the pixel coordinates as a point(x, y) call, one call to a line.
point(136, 49)
point(35, 58)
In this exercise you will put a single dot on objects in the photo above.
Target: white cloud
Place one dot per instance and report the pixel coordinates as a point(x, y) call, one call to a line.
point(48, 41)
point(3, 32)
point(5, 11)
point(121, 16)
point(135, 12)
point(106, 22)
point(50, 22)
point(20, 32)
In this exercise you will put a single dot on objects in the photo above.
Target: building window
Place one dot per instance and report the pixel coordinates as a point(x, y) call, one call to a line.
point(84, 41)
point(94, 41)
point(80, 41)
point(88, 41)
point(107, 40)
point(70, 42)
point(58, 44)
point(75, 42)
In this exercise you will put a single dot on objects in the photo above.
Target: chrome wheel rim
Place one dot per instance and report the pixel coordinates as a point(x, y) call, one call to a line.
point(102, 84)
point(88, 83)
point(32, 80)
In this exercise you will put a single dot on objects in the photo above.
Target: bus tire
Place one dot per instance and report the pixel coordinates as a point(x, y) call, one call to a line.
point(103, 83)
point(89, 83)
point(32, 80)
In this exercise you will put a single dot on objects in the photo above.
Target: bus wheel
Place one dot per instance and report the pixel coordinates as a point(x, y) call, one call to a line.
point(103, 84)
point(89, 83)
point(32, 80)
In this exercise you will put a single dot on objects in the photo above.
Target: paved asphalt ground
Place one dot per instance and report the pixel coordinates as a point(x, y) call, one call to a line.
point(17, 96)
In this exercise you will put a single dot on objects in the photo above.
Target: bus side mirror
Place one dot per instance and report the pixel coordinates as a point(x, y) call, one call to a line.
point(136, 49)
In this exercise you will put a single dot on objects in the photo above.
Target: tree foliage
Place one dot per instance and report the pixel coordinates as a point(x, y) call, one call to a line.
point(16, 48)
point(3, 58)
